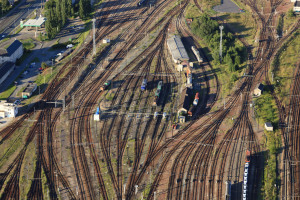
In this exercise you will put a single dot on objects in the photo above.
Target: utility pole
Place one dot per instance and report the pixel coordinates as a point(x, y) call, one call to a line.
point(220, 53)
point(94, 40)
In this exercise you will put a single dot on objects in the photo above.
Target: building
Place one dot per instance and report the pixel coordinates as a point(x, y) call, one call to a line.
point(31, 87)
point(268, 126)
point(258, 89)
point(184, 102)
point(8, 109)
point(5, 70)
point(12, 53)
point(36, 23)
point(177, 49)
point(296, 8)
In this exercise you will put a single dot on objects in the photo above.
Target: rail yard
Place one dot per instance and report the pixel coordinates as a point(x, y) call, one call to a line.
point(148, 115)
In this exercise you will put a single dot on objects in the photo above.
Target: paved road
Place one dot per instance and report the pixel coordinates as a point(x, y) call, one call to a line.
point(22, 11)
point(227, 6)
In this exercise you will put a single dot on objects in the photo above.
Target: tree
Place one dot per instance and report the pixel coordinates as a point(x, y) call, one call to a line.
point(5, 5)
point(63, 12)
point(50, 23)
point(44, 65)
point(290, 13)
point(69, 8)
point(81, 9)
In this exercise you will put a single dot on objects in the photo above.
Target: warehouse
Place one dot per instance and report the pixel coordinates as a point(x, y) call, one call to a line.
point(5, 70)
point(12, 53)
point(38, 23)
point(8, 109)
point(177, 49)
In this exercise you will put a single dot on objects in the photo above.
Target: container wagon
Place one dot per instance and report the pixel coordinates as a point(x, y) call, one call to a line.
point(141, 2)
point(157, 93)
point(228, 190)
point(105, 85)
point(144, 84)
point(197, 54)
point(196, 100)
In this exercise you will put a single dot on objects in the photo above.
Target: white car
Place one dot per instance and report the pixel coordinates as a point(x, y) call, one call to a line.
point(69, 46)
point(59, 54)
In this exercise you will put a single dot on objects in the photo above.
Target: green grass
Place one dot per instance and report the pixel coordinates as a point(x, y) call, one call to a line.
point(45, 77)
point(266, 108)
point(84, 33)
point(28, 44)
point(192, 11)
point(272, 144)
point(4, 95)
point(283, 67)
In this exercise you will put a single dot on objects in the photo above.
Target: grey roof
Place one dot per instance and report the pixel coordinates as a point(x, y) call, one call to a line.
point(5, 67)
point(297, 4)
point(11, 49)
point(268, 124)
point(177, 49)
point(30, 88)
point(260, 86)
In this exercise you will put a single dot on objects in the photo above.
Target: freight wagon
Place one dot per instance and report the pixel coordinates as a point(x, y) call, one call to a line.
point(144, 85)
point(246, 172)
point(157, 93)
point(197, 54)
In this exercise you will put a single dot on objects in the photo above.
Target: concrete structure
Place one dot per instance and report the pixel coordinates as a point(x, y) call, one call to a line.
point(12, 53)
point(8, 109)
point(258, 89)
point(296, 8)
point(268, 126)
point(5, 69)
point(184, 102)
point(31, 87)
point(177, 49)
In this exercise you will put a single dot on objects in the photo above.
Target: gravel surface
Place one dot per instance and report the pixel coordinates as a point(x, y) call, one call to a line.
point(227, 6)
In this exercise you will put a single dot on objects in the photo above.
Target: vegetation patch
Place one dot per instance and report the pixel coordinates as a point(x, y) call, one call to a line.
point(4, 95)
point(283, 67)
point(28, 44)
point(266, 108)
point(271, 180)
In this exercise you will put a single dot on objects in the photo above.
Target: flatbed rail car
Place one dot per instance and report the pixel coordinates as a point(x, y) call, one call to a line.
point(228, 190)
point(144, 85)
point(196, 100)
point(246, 172)
point(157, 93)
point(197, 54)
point(64, 54)
point(191, 111)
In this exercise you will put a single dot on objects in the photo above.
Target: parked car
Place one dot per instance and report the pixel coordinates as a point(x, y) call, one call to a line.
point(69, 46)
point(17, 102)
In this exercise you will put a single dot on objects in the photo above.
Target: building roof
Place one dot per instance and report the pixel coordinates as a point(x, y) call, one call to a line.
point(177, 49)
point(268, 124)
point(35, 22)
point(11, 49)
point(297, 4)
point(5, 67)
point(259, 86)
point(184, 101)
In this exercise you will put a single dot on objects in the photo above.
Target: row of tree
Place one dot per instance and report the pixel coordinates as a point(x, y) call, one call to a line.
point(208, 29)
point(4, 6)
point(58, 11)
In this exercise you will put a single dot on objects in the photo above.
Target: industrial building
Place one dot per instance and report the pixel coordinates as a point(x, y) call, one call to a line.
point(268, 126)
point(184, 102)
point(12, 53)
point(8, 109)
point(5, 70)
point(31, 87)
point(177, 49)
point(258, 89)
point(296, 8)
point(37, 23)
